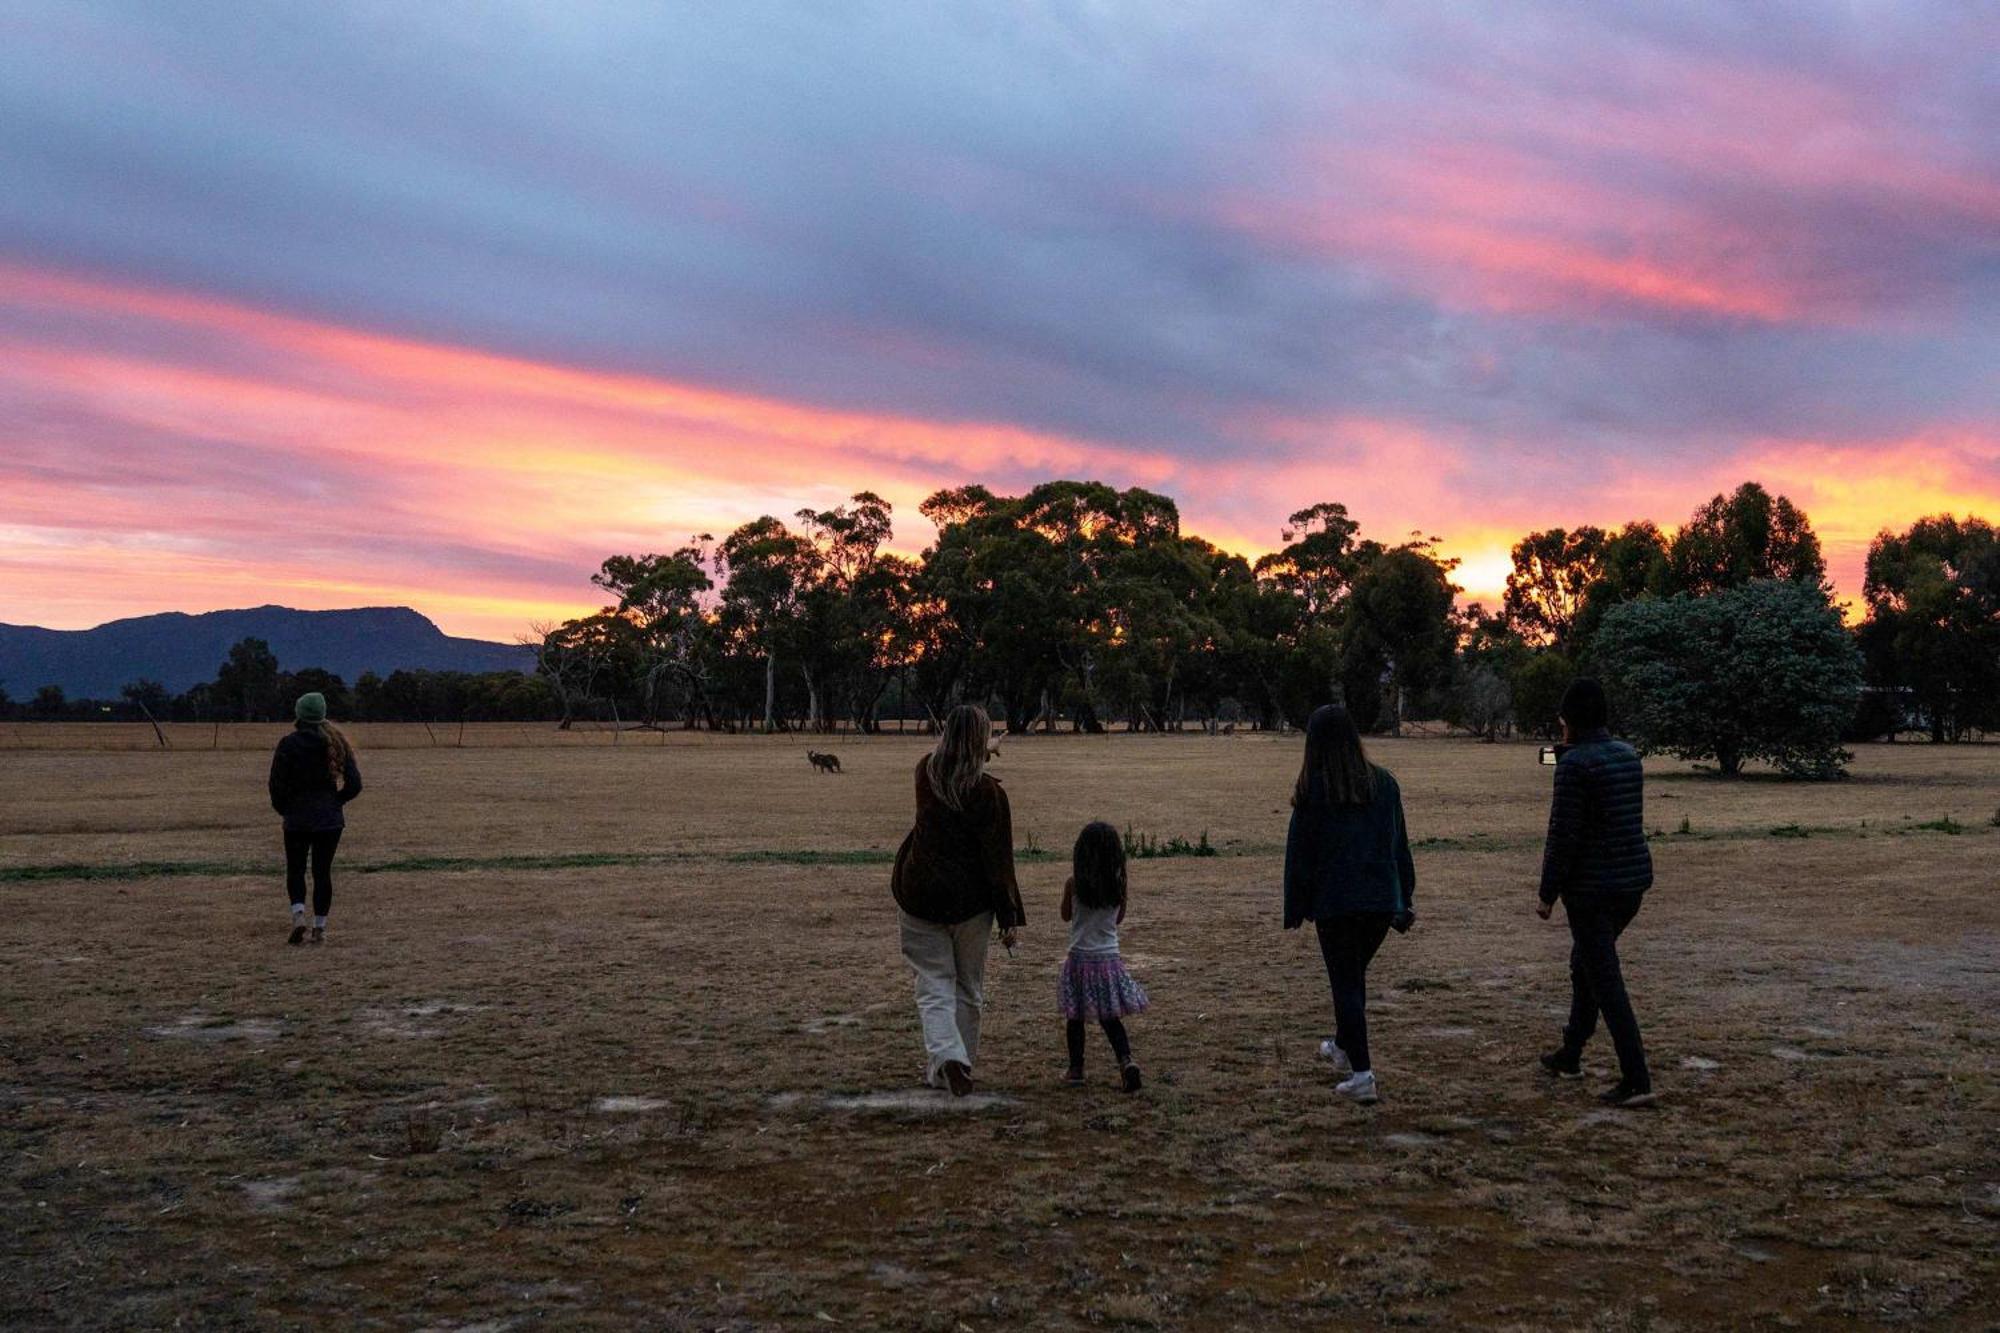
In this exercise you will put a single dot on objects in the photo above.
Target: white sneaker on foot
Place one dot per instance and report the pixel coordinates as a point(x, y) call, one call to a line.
point(1360, 1087)
point(1330, 1050)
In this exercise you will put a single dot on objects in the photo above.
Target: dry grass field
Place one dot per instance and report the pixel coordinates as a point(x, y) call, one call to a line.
point(618, 1036)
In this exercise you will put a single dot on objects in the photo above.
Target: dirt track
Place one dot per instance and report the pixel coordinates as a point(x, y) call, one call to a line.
point(646, 1003)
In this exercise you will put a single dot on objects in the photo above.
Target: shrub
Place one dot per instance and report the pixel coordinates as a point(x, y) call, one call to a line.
point(1762, 671)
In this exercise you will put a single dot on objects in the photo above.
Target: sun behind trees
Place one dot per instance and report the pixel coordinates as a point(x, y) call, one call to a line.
point(1083, 607)
point(1078, 605)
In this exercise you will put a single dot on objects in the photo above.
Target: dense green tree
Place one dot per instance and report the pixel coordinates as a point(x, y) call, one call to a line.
point(1633, 564)
point(339, 699)
point(1537, 683)
point(1398, 630)
point(1765, 670)
point(1933, 627)
point(246, 684)
point(1747, 535)
point(49, 703)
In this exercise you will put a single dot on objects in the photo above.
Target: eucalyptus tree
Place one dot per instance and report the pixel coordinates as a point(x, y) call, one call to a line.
point(662, 598)
point(1748, 534)
point(1933, 627)
point(766, 565)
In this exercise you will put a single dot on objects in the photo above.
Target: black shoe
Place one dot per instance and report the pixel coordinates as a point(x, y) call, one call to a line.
point(957, 1077)
point(1132, 1079)
point(298, 935)
point(1562, 1064)
point(1626, 1097)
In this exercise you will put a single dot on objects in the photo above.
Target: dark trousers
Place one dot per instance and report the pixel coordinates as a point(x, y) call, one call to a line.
point(1596, 985)
point(1121, 1045)
point(1348, 943)
point(318, 847)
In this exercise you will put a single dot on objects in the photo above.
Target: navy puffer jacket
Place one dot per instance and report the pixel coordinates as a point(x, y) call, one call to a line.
point(1597, 821)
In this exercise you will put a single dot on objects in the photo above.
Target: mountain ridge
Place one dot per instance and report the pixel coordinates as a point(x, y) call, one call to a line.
point(181, 648)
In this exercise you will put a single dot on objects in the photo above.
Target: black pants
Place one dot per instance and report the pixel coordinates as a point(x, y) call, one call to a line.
point(1348, 943)
point(319, 847)
point(1596, 985)
point(1121, 1045)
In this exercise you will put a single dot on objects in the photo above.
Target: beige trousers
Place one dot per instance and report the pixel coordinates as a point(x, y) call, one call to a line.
point(950, 967)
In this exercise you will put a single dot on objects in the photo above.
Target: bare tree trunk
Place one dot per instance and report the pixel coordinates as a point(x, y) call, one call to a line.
point(158, 735)
point(770, 690)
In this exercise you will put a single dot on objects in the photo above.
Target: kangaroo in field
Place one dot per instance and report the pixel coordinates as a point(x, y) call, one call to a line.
point(993, 746)
point(825, 763)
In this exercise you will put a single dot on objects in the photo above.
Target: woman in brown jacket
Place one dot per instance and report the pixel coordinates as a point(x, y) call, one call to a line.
point(954, 879)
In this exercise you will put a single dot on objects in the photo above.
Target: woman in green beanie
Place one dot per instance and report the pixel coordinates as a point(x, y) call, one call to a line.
point(313, 777)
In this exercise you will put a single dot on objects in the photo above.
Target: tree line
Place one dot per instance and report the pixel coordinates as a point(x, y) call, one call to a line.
point(1083, 607)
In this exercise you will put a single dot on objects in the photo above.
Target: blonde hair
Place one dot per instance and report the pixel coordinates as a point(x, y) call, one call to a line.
point(959, 761)
point(338, 748)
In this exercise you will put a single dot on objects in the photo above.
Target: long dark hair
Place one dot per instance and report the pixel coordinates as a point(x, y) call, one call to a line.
point(1334, 752)
point(1097, 866)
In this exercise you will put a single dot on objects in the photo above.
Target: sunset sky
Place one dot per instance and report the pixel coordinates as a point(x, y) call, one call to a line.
point(439, 304)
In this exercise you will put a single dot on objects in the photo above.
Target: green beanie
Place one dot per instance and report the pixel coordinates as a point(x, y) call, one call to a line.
point(310, 707)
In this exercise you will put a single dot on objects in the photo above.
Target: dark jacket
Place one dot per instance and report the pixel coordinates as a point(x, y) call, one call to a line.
point(1343, 859)
point(302, 787)
point(1597, 821)
point(956, 864)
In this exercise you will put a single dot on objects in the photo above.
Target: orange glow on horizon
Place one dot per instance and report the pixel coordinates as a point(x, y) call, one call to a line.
point(323, 466)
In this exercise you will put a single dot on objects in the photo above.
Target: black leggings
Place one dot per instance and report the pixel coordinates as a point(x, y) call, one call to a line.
point(1121, 1045)
point(319, 846)
point(1348, 943)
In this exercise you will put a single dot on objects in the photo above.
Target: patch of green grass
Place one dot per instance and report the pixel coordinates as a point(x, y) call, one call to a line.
point(1945, 825)
point(866, 856)
point(450, 865)
point(1791, 831)
point(1147, 846)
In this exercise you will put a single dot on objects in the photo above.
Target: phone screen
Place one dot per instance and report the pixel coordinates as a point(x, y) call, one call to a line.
point(1548, 756)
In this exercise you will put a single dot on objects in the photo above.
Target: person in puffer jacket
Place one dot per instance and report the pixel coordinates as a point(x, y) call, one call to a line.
point(1597, 863)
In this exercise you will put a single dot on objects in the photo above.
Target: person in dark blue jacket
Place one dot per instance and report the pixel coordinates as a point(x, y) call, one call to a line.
point(1348, 870)
point(1597, 862)
point(313, 777)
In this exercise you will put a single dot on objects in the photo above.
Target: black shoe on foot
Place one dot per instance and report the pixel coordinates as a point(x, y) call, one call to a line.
point(957, 1077)
point(1626, 1097)
point(318, 936)
point(298, 935)
point(1132, 1079)
point(1562, 1064)
point(1073, 1076)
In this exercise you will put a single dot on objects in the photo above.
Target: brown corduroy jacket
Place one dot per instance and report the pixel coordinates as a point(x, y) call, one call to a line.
point(956, 864)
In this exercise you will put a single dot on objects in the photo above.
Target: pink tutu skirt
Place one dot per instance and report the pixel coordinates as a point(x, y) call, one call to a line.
point(1096, 985)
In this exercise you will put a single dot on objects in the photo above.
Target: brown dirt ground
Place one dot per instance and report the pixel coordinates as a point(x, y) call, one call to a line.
point(680, 1091)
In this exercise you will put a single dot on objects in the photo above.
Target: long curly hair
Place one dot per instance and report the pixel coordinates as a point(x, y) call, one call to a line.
point(338, 748)
point(959, 761)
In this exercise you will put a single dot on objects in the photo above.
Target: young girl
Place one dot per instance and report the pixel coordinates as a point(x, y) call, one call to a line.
point(1093, 982)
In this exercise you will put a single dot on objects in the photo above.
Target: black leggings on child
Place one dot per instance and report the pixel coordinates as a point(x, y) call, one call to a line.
point(318, 847)
point(1121, 1045)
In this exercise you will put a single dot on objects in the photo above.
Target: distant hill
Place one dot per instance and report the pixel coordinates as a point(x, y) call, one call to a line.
point(180, 650)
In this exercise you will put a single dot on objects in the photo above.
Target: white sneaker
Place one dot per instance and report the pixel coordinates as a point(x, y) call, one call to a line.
point(1330, 1050)
point(1361, 1087)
